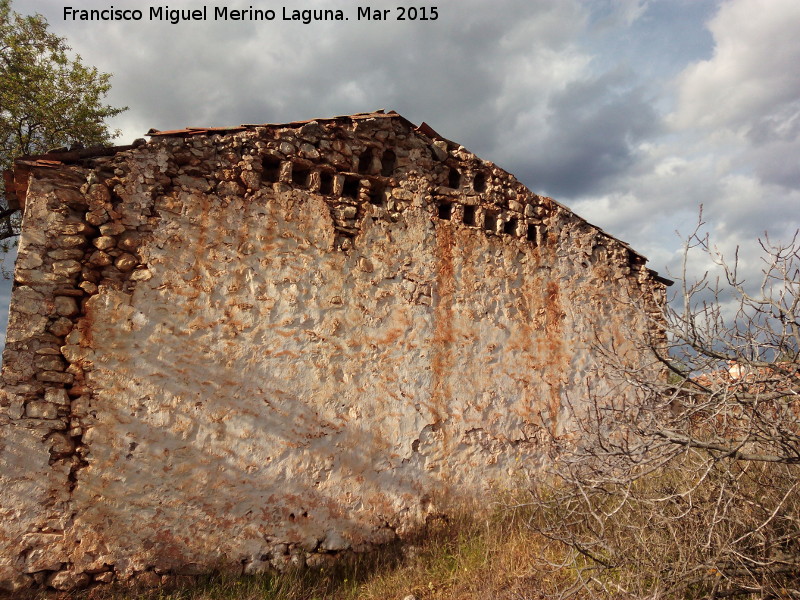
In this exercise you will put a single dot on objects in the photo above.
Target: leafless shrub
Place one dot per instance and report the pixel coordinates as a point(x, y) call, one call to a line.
point(687, 485)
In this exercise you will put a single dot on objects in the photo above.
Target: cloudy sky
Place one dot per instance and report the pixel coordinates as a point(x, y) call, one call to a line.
point(631, 112)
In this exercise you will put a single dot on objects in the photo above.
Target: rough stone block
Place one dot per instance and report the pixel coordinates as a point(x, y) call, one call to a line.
point(251, 179)
point(112, 229)
point(67, 581)
point(88, 287)
point(98, 195)
point(66, 254)
point(76, 228)
point(41, 410)
point(70, 197)
point(13, 581)
point(24, 326)
point(49, 363)
point(61, 443)
point(44, 558)
point(100, 259)
point(29, 301)
point(66, 306)
point(106, 577)
point(33, 276)
point(97, 217)
point(57, 396)
point(66, 268)
point(55, 377)
point(29, 260)
point(225, 188)
point(70, 241)
point(126, 262)
point(60, 327)
point(104, 242)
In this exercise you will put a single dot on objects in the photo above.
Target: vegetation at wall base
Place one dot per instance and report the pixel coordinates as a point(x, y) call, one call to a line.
point(464, 557)
point(503, 556)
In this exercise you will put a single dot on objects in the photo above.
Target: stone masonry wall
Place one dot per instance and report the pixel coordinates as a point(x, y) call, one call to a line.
point(269, 345)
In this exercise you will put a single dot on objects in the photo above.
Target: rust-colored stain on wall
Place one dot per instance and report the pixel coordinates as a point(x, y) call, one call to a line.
point(266, 346)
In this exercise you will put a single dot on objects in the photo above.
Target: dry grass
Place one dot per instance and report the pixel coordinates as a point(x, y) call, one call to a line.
point(468, 558)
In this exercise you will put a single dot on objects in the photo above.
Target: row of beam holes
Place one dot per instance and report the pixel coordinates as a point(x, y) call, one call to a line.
point(301, 175)
point(489, 221)
point(271, 166)
point(478, 182)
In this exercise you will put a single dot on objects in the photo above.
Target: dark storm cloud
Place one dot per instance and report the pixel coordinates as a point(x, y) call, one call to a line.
point(775, 163)
point(450, 73)
point(774, 145)
point(592, 130)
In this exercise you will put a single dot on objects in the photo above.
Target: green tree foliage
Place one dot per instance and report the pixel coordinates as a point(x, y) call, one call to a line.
point(48, 99)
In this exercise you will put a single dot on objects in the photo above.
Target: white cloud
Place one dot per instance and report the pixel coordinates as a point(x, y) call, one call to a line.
point(731, 144)
point(753, 74)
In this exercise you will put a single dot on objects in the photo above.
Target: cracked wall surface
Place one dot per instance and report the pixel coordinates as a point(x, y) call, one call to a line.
point(261, 347)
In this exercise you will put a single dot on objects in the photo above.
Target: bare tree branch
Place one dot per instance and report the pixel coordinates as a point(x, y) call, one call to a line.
point(681, 479)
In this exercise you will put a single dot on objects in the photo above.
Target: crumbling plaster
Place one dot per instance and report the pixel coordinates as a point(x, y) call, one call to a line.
point(267, 345)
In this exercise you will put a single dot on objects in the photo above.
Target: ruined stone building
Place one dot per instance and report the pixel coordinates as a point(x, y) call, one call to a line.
point(264, 345)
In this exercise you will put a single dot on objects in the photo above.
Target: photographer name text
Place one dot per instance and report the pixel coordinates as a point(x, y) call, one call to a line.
point(176, 16)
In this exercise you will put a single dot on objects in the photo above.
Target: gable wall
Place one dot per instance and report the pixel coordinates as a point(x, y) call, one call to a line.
point(262, 348)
